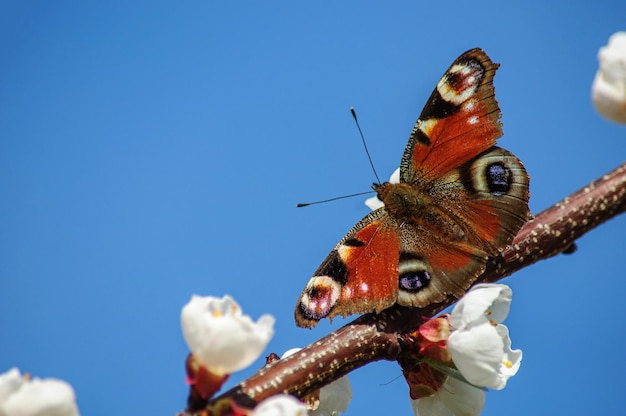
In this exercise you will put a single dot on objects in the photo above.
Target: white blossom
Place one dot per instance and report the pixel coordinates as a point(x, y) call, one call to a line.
point(480, 345)
point(454, 398)
point(482, 303)
point(608, 90)
point(374, 203)
point(220, 336)
point(10, 382)
point(36, 397)
point(280, 405)
point(334, 398)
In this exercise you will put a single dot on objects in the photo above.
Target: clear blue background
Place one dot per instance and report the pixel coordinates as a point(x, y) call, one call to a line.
point(150, 150)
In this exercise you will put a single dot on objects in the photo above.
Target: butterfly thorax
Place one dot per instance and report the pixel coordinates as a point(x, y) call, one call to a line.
point(402, 201)
point(408, 205)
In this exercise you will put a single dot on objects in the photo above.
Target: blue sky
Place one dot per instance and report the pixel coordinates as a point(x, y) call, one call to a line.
point(153, 150)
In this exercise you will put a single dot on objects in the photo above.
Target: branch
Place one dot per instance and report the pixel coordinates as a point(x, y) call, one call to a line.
point(374, 337)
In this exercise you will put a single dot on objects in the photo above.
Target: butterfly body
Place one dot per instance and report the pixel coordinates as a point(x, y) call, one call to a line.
point(460, 200)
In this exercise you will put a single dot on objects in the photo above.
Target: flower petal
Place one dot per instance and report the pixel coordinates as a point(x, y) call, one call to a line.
point(430, 406)
point(608, 90)
point(334, 398)
point(512, 358)
point(280, 405)
point(484, 302)
point(374, 203)
point(483, 355)
point(10, 382)
point(455, 398)
point(461, 398)
point(477, 353)
point(48, 397)
point(220, 336)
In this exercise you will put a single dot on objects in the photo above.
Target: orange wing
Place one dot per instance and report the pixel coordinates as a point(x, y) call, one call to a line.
point(359, 275)
point(461, 119)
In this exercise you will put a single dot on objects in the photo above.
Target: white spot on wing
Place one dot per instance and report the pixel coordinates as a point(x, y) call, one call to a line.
point(469, 106)
point(471, 81)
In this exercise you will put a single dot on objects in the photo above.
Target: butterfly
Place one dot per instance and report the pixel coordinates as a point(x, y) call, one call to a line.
point(459, 202)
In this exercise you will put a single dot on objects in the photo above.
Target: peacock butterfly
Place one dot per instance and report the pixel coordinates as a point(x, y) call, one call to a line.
point(460, 201)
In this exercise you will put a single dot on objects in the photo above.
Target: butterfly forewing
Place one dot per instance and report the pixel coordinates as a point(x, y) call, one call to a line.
point(460, 120)
point(342, 285)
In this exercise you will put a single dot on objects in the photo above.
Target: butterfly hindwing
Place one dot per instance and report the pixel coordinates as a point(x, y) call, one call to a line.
point(471, 218)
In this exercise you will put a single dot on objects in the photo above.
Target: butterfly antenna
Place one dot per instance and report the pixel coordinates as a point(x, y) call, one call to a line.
point(364, 144)
point(306, 204)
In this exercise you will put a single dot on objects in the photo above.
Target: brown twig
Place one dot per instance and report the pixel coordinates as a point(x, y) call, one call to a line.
point(374, 337)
